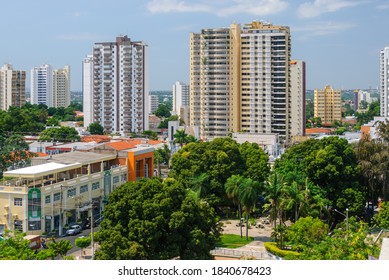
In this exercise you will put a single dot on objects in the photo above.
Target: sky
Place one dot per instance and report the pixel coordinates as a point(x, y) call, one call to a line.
point(340, 40)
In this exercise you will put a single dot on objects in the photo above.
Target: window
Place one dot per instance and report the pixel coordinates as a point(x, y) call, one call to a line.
point(83, 188)
point(95, 185)
point(47, 199)
point(116, 179)
point(57, 196)
point(72, 192)
point(18, 201)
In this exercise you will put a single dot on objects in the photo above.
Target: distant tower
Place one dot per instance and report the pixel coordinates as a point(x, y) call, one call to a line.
point(181, 101)
point(12, 87)
point(384, 82)
point(42, 85)
point(61, 87)
point(328, 105)
point(120, 86)
point(154, 103)
point(87, 89)
point(356, 100)
point(297, 97)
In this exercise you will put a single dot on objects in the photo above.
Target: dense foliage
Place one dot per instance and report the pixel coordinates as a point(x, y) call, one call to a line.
point(155, 219)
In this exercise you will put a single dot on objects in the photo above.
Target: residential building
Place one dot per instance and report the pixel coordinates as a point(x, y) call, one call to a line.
point(61, 87)
point(154, 103)
point(328, 105)
point(12, 87)
point(87, 89)
point(42, 85)
point(180, 97)
point(297, 94)
point(240, 80)
point(384, 82)
point(59, 189)
point(120, 86)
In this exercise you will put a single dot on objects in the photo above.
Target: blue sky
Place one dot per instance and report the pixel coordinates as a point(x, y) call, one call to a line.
point(339, 40)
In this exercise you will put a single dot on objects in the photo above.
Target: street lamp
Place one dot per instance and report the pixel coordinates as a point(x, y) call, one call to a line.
point(344, 215)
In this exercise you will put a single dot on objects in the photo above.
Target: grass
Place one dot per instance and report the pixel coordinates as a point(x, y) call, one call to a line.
point(233, 241)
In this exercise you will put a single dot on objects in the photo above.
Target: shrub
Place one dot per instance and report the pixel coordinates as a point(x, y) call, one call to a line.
point(286, 254)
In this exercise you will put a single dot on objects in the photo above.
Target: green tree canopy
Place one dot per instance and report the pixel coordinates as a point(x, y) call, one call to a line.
point(96, 129)
point(65, 134)
point(163, 111)
point(382, 218)
point(154, 219)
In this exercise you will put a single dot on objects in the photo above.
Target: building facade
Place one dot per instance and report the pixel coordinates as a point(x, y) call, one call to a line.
point(42, 85)
point(240, 80)
point(154, 103)
point(61, 87)
point(12, 87)
point(180, 96)
point(120, 86)
point(87, 89)
point(297, 97)
point(384, 82)
point(328, 105)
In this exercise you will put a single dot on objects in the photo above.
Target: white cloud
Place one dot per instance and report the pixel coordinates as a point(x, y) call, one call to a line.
point(254, 7)
point(383, 6)
point(322, 28)
point(220, 8)
point(318, 7)
point(166, 6)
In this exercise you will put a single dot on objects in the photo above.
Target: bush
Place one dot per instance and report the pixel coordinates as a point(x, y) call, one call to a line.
point(286, 254)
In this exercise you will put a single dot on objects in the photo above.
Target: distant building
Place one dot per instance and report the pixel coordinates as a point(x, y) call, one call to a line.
point(328, 105)
point(12, 87)
point(120, 86)
point(181, 97)
point(297, 97)
point(61, 87)
point(87, 89)
point(42, 85)
point(384, 82)
point(154, 103)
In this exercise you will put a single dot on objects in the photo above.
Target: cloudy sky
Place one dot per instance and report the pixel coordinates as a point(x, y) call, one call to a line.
point(339, 40)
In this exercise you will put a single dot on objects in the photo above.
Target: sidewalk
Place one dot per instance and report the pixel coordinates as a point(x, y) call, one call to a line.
point(84, 256)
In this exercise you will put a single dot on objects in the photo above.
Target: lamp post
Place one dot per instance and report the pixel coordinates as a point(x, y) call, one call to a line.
point(344, 215)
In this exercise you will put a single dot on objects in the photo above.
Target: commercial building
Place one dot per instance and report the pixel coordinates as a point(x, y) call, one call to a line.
point(240, 80)
point(328, 105)
point(12, 87)
point(384, 82)
point(59, 190)
point(61, 87)
point(118, 86)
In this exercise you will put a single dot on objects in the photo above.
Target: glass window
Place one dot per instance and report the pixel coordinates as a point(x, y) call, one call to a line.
point(95, 185)
point(83, 188)
point(18, 201)
point(57, 196)
point(47, 199)
point(72, 192)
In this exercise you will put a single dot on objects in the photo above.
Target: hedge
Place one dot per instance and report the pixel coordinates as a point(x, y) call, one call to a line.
point(287, 254)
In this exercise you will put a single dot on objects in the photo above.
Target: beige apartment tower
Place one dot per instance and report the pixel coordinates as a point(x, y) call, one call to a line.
point(12, 87)
point(240, 81)
point(328, 105)
point(61, 87)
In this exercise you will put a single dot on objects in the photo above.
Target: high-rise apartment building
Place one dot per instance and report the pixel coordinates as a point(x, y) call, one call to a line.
point(12, 87)
point(180, 96)
point(154, 103)
point(61, 87)
point(240, 80)
point(120, 86)
point(87, 89)
point(42, 85)
point(297, 97)
point(328, 105)
point(384, 82)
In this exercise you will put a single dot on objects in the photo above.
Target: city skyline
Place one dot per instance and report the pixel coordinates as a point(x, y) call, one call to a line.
point(340, 41)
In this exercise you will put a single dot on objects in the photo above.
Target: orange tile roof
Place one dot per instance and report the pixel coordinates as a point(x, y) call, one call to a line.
point(40, 154)
point(96, 138)
point(122, 145)
point(317, 130)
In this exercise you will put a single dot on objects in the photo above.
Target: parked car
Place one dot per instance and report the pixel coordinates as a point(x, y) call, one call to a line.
point(74, 229)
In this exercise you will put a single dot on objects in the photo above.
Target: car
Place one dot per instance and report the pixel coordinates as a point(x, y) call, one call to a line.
point(74, 229)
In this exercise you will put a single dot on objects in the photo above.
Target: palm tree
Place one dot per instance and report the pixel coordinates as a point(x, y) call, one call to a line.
point(248, 196)
point(199, 184)
point(273, 192)
point(180, 137)
point(295, 198)
point(191, 139)
point(232, 187)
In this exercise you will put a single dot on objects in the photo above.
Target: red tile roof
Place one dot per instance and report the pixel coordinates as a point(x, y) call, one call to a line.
point(96, 138)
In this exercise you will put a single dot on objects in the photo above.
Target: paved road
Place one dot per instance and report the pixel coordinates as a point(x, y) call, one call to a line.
point(85, 232)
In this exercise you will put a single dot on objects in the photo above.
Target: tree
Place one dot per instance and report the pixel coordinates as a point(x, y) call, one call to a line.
point(15, 247)
point(13, 152)
point(248, 197)
point(65, 134)
point(294, 198)
point(232, 187)
point(163, 111)
point(180, 137)
point(191, 139)
point(257, 162)
point(150, 134)
point(155, 219)
point(165, 122)
point(273, 192)
point(96, 129)
point(382, 218)
point(82, 243)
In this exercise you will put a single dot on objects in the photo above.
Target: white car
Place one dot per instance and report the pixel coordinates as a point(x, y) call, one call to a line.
point(74, 229)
